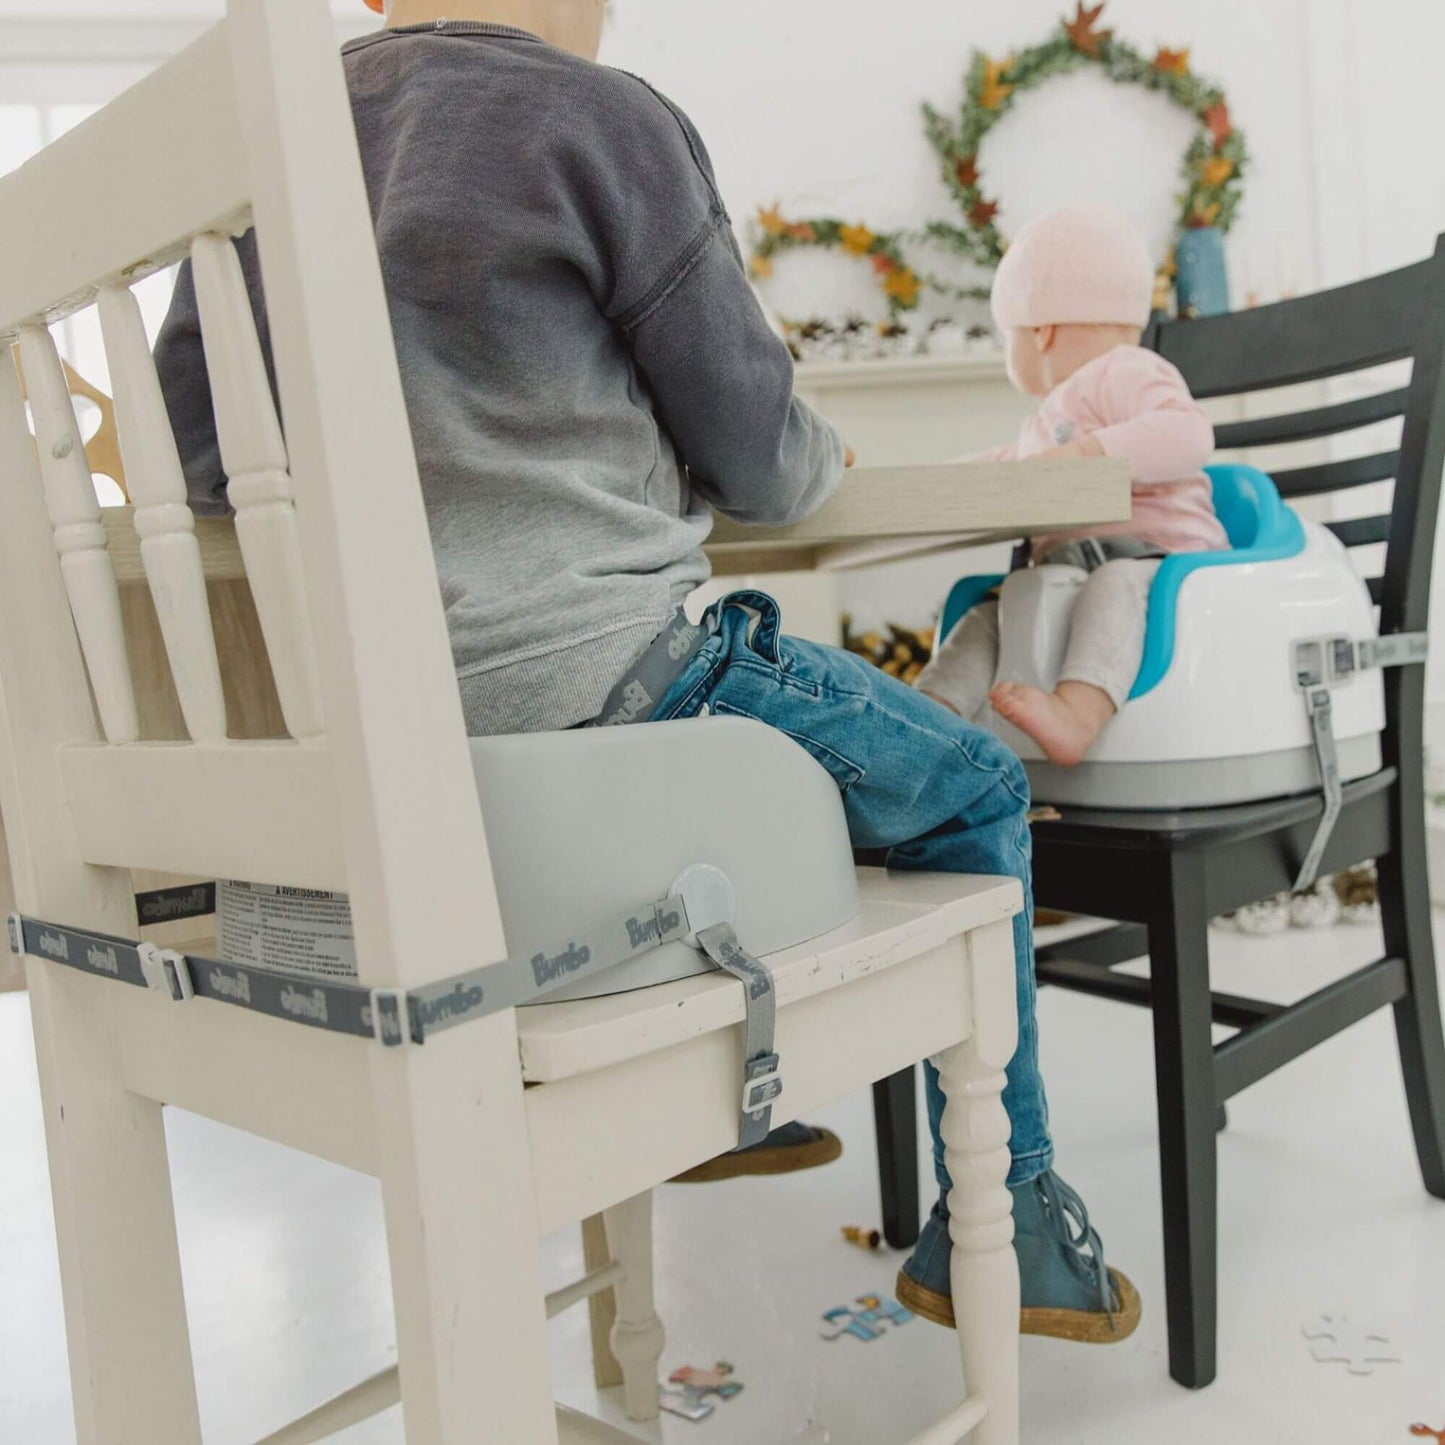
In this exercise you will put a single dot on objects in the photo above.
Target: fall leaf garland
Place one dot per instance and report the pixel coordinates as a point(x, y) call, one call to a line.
point(773, 234)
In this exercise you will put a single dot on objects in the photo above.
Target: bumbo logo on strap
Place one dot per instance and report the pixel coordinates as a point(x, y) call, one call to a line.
point(53, 945)
point(642, 931)
point(102, 958)
point(456, 1004)
point(230, 985)
point(546, 969)
point(303, 1005)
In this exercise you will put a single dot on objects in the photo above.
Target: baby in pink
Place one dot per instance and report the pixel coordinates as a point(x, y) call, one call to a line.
point(1072, 296)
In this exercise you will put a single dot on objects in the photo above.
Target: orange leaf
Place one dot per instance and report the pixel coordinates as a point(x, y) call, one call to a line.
point(903, 286)
point(856, 240)
point(771, 220)
point(884, 263)
point(967, 172)
point(992, 92)
point(761, 268)
point(1172, 62)
point(1216, 170)
point(1216, 117)
point(982, 212)
point(1081, 32)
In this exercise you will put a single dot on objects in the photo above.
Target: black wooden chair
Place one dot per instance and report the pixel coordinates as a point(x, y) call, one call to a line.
point(1164, 875)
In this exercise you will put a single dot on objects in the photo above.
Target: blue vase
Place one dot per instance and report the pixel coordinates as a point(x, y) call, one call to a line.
point(1201, 284)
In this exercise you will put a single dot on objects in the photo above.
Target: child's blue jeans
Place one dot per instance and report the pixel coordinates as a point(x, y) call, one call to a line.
point(936, 792)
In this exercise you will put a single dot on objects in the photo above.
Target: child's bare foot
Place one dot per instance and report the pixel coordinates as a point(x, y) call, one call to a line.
point(1064, 723)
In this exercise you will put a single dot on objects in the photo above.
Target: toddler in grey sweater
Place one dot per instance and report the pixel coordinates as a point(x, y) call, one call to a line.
point(585, 367)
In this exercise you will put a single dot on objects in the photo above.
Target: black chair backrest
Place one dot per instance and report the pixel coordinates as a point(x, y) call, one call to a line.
point(1396, 317)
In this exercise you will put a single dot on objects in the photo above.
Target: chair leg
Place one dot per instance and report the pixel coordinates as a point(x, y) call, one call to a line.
point(1405, 914)
point(125, 1313)
point(985, 1273)
point(1188, 1120)
point(461, 1227)
point(637, 1334)
point(601, 1308)
point(895, 1123)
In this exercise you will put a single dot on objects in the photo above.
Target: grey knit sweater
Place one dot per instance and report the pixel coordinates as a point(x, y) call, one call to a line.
point(585, 366)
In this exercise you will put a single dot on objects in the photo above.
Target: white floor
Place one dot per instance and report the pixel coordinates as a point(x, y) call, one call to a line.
point(1322, 1211)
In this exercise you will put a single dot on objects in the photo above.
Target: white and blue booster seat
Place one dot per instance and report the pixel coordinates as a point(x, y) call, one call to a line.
point(1217, 713)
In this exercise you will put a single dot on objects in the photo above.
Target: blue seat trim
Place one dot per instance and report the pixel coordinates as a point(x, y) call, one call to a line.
point(1260, 528)
point(963, 597)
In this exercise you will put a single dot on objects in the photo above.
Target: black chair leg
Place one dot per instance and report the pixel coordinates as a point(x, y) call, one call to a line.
point(1405, 914)
point(895, 1120)
point(1188, 1117)
point(1221, 1119)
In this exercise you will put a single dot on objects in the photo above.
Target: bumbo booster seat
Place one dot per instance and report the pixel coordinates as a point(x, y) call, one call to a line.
point(1258, 678)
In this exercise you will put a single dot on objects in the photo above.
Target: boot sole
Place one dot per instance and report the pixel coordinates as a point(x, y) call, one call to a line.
point(1085, 1327)
point(787, 1159)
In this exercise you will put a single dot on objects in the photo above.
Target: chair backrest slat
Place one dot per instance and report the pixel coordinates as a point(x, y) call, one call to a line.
point(128, 193)
point(250, 126)
point(1361, 531)
point(1338, 476)
point(79, 537)
point(163, 518)
point(1305, 338)
point(253, 454)
point(1304, 426)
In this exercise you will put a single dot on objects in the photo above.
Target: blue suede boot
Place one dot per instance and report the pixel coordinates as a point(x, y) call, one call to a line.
point(1067, 1290)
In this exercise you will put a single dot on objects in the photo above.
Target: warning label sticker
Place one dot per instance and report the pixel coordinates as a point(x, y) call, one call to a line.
point(300, 930)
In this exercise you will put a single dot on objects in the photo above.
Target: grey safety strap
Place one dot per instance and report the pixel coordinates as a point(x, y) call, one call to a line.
point(393, 1016)
point(638, 691)
point(1320, 665)
point(762, 1070)
point(396, 1017)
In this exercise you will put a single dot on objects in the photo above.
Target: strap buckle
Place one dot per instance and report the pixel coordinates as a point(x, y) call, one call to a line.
point(762, 1083)
point(16, 929)
point(389, 1017)
point(1322, 663)
point(166, 972)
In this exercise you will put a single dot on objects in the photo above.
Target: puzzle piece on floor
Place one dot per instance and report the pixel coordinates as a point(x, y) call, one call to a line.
point(687, 1390)
point(1335, 1338)
point(865, 1318)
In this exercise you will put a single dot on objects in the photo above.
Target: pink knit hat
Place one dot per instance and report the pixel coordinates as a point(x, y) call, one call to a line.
point(1076, 264)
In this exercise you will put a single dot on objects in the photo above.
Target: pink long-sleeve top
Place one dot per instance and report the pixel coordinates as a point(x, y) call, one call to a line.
point(1136, 406)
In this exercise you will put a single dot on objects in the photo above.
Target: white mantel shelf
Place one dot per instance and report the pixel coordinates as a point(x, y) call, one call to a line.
point(899, 371)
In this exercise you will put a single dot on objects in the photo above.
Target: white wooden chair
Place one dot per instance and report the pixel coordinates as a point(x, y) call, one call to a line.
point(373, 792)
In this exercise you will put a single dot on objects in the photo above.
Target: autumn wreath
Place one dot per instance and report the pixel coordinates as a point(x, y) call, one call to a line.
point(1213, 165)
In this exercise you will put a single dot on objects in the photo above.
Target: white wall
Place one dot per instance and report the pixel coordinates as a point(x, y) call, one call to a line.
point(817, 104)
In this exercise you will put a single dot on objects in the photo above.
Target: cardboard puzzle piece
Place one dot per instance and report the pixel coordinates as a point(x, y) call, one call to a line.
point(687, 1390)
point(865, 1319)
point(1335, 1338)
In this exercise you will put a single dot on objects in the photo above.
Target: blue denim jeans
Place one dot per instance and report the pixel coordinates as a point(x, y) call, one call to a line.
point(935, 792)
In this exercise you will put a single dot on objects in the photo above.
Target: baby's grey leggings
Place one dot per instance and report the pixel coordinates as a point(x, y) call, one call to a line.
point(1106, 640)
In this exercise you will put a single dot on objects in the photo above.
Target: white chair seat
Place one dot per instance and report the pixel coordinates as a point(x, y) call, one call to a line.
point(902, 915)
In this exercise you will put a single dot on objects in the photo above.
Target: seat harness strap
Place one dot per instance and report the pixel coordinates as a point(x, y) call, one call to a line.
point(699, 911)
point(1322, 664)
point(636, 694)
